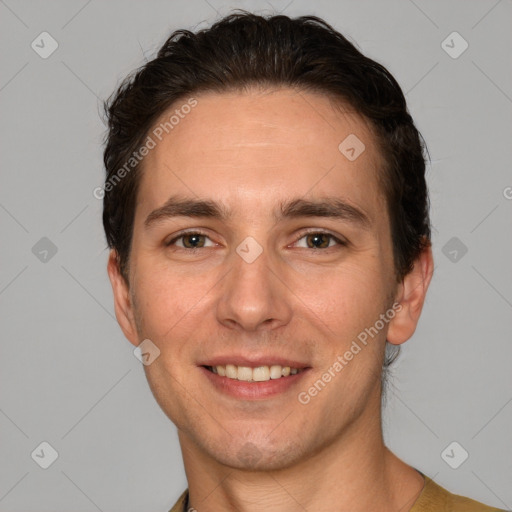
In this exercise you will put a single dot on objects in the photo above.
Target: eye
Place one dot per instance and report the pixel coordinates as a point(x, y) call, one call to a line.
point(190, 240)
point(320, 240)
point(193, 240)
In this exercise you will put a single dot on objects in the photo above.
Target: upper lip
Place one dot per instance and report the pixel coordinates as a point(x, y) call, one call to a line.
point(253, 361)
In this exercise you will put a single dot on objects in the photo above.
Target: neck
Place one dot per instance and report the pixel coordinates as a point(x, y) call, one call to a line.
point(355, 472)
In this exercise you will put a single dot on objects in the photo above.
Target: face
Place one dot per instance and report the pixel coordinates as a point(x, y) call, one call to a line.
point(283, 263)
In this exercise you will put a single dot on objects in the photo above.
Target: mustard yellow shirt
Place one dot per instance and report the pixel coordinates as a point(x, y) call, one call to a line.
point(433, 498)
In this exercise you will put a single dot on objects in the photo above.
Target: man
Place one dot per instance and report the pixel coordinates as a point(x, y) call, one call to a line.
point(267, 212)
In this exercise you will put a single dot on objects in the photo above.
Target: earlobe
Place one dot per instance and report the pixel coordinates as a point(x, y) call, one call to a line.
point(122, 300)
point(411, 297)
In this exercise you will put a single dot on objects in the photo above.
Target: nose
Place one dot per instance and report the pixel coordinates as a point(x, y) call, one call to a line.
point(254, 295)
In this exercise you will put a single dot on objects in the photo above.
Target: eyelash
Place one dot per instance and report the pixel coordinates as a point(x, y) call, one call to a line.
point(302, 235)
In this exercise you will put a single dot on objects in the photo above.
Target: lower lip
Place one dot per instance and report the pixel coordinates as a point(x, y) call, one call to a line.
point(253, 390)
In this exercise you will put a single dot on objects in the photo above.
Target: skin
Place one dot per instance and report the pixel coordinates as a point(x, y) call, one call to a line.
point(250, 151)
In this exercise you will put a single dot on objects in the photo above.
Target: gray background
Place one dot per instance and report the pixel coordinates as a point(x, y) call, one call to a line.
point(67, 374)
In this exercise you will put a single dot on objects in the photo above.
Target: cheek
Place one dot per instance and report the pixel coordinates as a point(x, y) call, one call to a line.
point(172, 305)
point(347, 297)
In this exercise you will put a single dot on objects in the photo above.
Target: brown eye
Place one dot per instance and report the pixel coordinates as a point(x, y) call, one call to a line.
point(191, 241)
point(320, 240)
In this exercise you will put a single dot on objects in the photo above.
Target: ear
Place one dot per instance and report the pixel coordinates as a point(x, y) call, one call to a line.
point(411, 296)
point(122, 301)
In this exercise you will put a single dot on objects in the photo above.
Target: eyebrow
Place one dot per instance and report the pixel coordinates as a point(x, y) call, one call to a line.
point(327, 207)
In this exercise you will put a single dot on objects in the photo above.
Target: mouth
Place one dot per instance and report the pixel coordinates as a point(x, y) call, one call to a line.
point(254, 374)
point(253, 382)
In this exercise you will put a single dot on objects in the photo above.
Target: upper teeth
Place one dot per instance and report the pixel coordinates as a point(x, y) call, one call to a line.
point(258, 374)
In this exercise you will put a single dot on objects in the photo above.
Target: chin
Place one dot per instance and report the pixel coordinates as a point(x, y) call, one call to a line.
point(256, 455)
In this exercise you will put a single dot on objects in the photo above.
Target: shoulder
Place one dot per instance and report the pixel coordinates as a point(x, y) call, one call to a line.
point(181, 504)
point(435, 497)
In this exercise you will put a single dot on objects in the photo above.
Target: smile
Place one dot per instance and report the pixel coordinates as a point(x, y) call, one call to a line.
point(254, 382)
point(250, 374)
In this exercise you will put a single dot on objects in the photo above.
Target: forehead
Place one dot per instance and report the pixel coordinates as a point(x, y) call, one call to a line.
point(255, 147)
